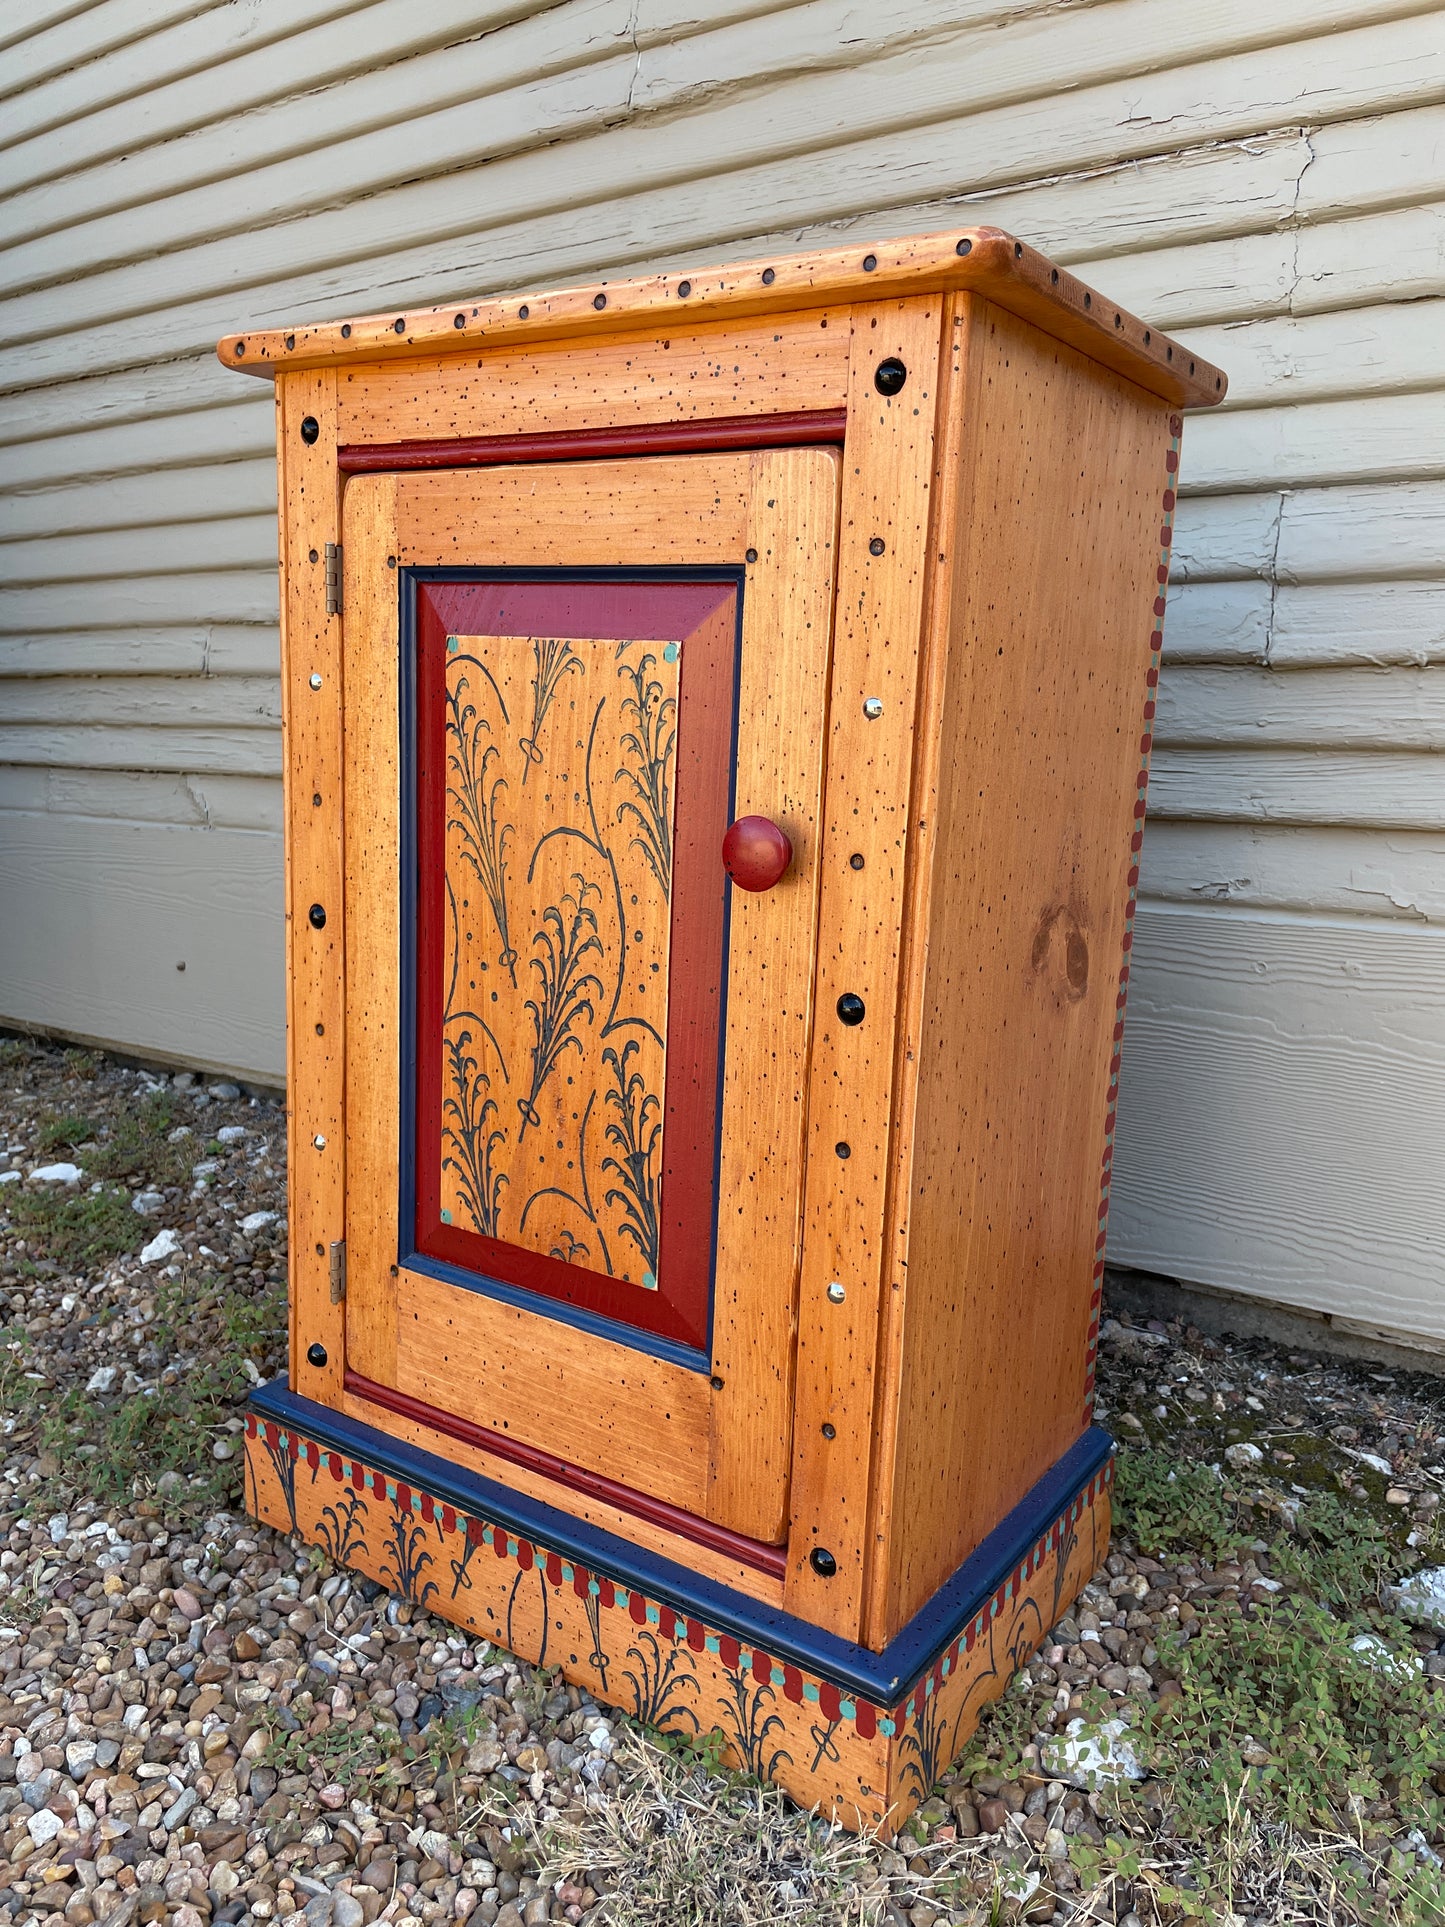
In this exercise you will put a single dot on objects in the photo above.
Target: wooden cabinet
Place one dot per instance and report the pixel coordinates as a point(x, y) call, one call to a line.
point(695, 1275)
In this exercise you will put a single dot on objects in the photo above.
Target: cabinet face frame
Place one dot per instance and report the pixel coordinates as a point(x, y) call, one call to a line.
point(887, 466)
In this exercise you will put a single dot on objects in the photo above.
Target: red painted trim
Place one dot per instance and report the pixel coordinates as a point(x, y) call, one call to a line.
point(805, 428)
point(1141, 791)
point(772, 1560)
point(703, 616)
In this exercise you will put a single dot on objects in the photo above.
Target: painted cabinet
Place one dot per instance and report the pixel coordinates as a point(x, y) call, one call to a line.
point(718, 714)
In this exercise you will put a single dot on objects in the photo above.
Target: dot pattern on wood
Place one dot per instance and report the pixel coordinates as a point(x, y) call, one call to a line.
point(1146, 744)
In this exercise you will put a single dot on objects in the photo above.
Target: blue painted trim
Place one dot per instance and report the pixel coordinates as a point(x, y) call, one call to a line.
point(884, 1678)
point(672, 1351)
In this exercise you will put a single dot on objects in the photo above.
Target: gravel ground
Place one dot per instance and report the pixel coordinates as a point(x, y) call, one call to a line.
point(202, 1722)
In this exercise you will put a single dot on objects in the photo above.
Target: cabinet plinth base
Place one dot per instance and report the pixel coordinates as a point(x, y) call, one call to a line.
point(861, 1735)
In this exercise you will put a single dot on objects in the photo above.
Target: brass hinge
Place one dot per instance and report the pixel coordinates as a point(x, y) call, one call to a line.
point(338, 1271)
point(333, 578)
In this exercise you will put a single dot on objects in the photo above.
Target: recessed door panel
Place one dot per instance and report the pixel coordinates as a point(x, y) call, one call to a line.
point(575, 1051)
point(574, 743)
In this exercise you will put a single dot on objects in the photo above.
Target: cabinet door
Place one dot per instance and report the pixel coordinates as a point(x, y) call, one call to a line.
point(575, 1052)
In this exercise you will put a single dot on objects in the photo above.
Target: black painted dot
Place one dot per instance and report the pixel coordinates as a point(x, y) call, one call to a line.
point(844, 1150)
point(752, 555)
point(459, 321)
point(240, 349)
point(310, 429)
point(599, 300)
point(346, 331)
point(876, 546)
point(964, 247)
point(290, 341)
point(769, 277)
point(399, 325)
point(870, 262)
point(523, 312)
point(684, 289)
point(855, 862)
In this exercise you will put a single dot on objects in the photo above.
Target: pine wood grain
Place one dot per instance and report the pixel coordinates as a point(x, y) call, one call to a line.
point(985, 260)
point(1012, 1016)
point(787, 627)
point(887, 476)
point(702, 370)
point(311, 645)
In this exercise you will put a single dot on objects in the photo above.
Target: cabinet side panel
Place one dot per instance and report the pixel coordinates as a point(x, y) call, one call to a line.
point(1066, 484)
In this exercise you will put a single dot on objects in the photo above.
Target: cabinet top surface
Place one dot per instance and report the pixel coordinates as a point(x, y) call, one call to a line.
point(984, 261)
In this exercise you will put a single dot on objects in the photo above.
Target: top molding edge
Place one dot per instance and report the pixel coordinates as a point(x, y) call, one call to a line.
point(982, 260)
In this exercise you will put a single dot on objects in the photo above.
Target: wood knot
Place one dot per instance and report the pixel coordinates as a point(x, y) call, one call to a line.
point(1059, 936)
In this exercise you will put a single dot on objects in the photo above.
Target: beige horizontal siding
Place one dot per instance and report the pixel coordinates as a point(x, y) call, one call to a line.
point(1265, 176)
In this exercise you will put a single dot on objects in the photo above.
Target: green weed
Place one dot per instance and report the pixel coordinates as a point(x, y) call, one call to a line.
point(1168, 1504)
point(63, 1133)
point(137, 1145)
point(75, 1228)
point(1278, 1708)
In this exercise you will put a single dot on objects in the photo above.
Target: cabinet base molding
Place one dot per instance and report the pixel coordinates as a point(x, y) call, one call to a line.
point(862, 1736)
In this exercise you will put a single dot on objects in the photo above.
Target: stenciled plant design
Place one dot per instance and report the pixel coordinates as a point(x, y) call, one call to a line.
point(553, 657)
point(636, 1134)
point(283, 1463)
point(472, 1542)
point(543, 1621)
point(408, 1558)
point(476, 793)
point(749, 1726)
point(923, 1750)
point(468, 1108)
point(660, 1682)
point(652, 745)
point(339, 1528)
point(570, 1248)
point(825, 1747)
point(592, 1606)
point(568, 937)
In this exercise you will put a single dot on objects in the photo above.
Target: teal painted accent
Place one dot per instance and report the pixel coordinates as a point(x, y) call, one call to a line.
point(649, 1282)
point(452, 645)
point(446, 1217)
point(672, 652)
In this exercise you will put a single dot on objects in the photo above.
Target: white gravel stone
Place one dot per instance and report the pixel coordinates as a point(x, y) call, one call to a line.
point(255, 1221)
point(1421, 1598)
point(1243, 1456)
point(232, 1134)
point(1093, 1758)
point(1384, 1658)
point(145, 1204)
point(44, 1826)
point(164, 1244)
point(103, 1378)
point(9, 1177)
point(56, 1174)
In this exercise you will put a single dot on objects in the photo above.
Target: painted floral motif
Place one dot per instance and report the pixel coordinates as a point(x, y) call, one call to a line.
point(864, 1762)
point(559, 846)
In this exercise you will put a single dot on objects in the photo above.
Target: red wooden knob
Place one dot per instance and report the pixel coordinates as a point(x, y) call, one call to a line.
point(756, 852)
